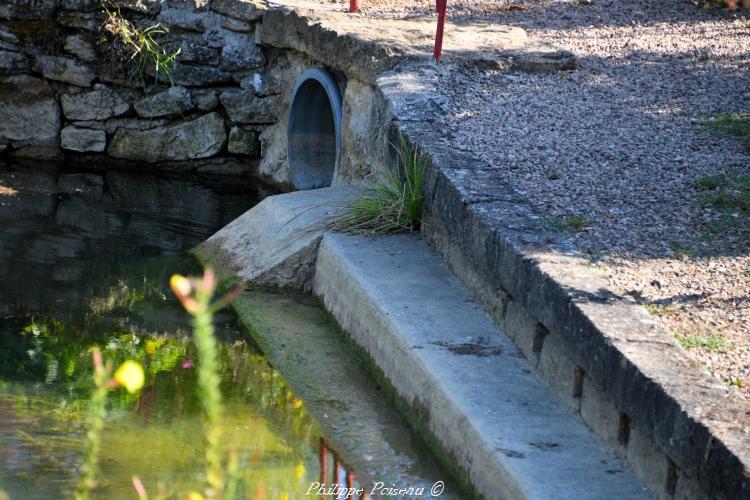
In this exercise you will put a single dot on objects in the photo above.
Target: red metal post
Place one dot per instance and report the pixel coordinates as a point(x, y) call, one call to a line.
point(353, 5)
point(442, 7)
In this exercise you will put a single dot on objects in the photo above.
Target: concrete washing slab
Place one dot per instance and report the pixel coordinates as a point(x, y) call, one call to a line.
point(275, 243)
point(468, 382)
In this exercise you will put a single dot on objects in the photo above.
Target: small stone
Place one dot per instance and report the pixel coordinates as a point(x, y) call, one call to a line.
point(80, 5)
point(39, 153)
point(183, 19)
point(199, 138)
point(243, 142)
point(149, 7)
point(64, 69)
point(84, 21)
point(246, 10)
point(243, 106)
point(8, 36)
point(235, 25)
point(83, 140)
point(113, 124)
point(27, 10)
point(80, 47)
point(98, 104)
point(263, 84)
point(192, 52)
point(170, 102)
point(197, 76)
point(242, 57)
point(13, 61)
point(205, 100)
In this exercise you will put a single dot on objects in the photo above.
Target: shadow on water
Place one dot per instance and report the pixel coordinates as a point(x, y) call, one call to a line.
point(85, 259)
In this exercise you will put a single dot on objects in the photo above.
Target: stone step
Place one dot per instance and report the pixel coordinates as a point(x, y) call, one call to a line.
point(472, 387)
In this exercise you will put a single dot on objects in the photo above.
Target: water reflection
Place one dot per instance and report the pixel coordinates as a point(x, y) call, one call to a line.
point(84, 260)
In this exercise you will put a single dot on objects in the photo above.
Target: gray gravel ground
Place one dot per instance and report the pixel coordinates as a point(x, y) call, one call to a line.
point(611, 152)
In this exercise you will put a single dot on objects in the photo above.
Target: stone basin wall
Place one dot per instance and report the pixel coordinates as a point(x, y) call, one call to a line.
point(65, 93)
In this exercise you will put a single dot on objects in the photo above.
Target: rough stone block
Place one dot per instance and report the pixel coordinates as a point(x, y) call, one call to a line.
point(199, 138)
point(170, 102)
point(519, 327)
point(243, 142)
point(30, 112)
point(601, 415)
point(557, 366)
point(243, 106)
point(651, 465)
point(246, 10)
point(64, 69)
point(99, 104)
point(80, 47)
point(83, 139)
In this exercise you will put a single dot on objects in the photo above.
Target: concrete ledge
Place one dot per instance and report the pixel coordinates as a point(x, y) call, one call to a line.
point(496, 243)
point(471, 386)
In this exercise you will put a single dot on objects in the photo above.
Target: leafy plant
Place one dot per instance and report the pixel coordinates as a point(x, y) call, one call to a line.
point(392, 205)
point(139, 46)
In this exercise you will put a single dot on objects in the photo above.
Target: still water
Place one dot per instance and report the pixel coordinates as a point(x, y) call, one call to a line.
point(85, 259)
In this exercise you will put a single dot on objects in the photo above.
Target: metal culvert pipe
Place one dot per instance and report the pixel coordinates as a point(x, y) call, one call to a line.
point(314, 130)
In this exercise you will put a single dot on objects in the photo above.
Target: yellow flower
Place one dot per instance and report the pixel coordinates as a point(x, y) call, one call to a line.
point(130, 376)
point(194, 495)
point(300, 470)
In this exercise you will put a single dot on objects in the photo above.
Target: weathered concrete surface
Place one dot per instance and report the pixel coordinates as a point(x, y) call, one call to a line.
point(303, 342)
point(496, 242)
point(275, 243)
point(471, 386)
point(365, 47)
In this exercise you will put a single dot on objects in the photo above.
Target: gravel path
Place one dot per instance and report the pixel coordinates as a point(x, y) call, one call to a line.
point(611, 152)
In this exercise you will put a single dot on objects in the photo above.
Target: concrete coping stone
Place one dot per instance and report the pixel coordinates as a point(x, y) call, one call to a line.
point(688, 414)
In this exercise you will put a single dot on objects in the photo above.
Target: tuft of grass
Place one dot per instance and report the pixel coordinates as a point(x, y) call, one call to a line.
point(573, 223)
point(707, 342)
point(661, 310)
point(139, 47)
point(736, 124)
point(681, 250)
point(392, 205)
point(725, 192)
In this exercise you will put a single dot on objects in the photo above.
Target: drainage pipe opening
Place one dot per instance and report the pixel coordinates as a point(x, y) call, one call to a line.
point(314, 130)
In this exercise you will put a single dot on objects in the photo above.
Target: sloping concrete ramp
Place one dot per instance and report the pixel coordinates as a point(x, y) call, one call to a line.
point(275, 242)
point(475, 390)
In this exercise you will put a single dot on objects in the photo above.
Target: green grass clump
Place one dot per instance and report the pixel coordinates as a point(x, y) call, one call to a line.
point(572, 223)
point(139, 47)
point(737, 124)
point(725, 192)
point(392, 205)
point(706, 342)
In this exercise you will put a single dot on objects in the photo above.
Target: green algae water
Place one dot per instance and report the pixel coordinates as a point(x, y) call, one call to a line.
point(85, 261)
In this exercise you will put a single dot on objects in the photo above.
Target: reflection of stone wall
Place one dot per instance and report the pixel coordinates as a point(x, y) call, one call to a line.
point(63, 96)
point(59, 225)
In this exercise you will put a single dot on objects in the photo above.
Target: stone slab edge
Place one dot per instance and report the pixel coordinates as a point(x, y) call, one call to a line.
point(690, 416)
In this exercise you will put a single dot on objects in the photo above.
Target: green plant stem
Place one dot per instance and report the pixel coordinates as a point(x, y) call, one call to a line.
point(209, 386)
point(97, 413)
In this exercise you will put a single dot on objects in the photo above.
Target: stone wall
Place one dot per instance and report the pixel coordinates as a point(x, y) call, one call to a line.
point(68, 90)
